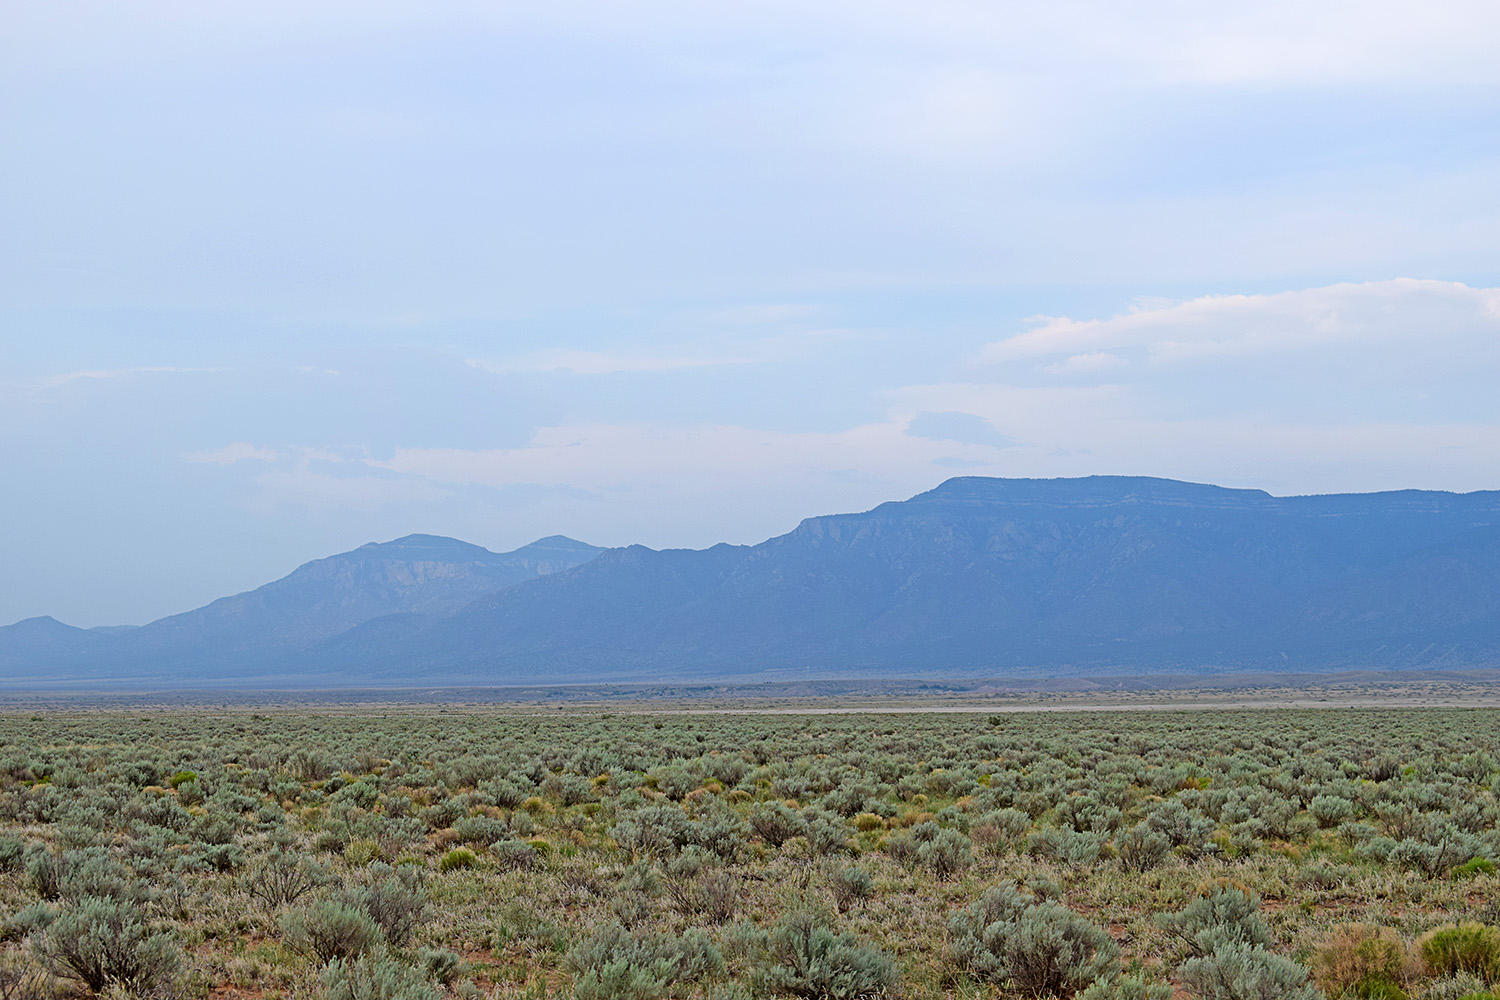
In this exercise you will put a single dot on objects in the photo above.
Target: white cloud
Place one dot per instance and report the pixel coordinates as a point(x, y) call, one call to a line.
point(767, 349)
point(743, 484)
point(1079, 431)
point(1406, 313)
point(101, 374)
point(635, 456)
point(764, 313)
point(1085, 364)
point(698, 485)
point(309, 487)
point(231, 454)
point(320, 478)
point(1269, 42)
point(599, 363)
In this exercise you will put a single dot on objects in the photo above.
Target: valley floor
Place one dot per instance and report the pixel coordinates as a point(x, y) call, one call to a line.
point(743, 847)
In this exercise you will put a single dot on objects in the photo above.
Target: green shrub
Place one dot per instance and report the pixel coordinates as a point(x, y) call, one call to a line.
point(852, 885)
point(45, 871)
point(654, 830)
point(520, 922)
point(1078, 850)
point(375, 977)
point(1460, 987)
point(807, 958)
point(1142, 848)
point(361, 852)
point(1473, 948)
point(612, 962)
point(282, 879)
point(395, 898)
point(1182, 827)
point(902, 847)
point(1433, 859)
point(28, 920)
point(1001, 829)
point(704, 891)
point(1037, 947)
point(330, 842)
point(331, 928)
point(479, 829)
point(12, 853)
point(1125, 988)
point(459, 857)
point(1228, 916)
point(1365, 961)
point(514, 855)
point(947, 854)
point(1475, 866)
point(1238, 971)
point(102, 942)
point(617, 979)
point(1330, 810)
point(190, 792)
point(440, 965)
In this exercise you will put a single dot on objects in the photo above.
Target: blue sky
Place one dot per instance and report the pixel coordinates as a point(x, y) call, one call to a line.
point(278, 279)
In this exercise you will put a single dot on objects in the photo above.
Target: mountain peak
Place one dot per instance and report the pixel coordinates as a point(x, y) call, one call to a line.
point(556, 543)
point(42, 624)
point(434, 548)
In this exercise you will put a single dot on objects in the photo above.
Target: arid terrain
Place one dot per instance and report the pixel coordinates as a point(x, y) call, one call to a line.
point(683, 849)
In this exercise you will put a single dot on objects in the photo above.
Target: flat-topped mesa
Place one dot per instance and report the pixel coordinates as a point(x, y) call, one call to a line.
point(1083, 491)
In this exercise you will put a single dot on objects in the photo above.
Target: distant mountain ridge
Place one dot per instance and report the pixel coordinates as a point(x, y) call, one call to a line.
point(417, 574)
point(423, 574)
point(976, 577)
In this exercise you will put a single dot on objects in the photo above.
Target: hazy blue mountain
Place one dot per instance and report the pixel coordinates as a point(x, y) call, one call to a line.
point(994, 575)
point(253, 631)
point(424, 574)
point(45, 636)
point(978, 576)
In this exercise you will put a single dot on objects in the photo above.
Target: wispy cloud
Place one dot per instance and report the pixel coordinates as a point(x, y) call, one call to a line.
point(232, 454)
point(1085, 364)
point(1402, 312)
point(965, 428)
point(766, 313)
point(768, 349)
point(102, 374)
point(600, 363)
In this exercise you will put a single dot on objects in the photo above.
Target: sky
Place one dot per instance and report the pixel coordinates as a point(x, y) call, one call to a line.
point(277, 279)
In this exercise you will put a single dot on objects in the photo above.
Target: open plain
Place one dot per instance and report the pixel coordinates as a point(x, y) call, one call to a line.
point(1031, 846)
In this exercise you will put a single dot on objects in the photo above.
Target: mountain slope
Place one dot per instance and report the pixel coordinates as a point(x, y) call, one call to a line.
point(50, 638)
point(422, 574)
point(978, 576)
point(1000, 575)
point(418, 574)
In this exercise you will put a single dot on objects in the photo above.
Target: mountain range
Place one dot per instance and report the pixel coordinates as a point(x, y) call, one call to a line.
point(265, 632)
point(1004, 577)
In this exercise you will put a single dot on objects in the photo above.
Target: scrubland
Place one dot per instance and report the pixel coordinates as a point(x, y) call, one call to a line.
point(416, 854)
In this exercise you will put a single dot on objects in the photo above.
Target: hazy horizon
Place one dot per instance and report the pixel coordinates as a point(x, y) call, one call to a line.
point(385, 542)
point(284, 279)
